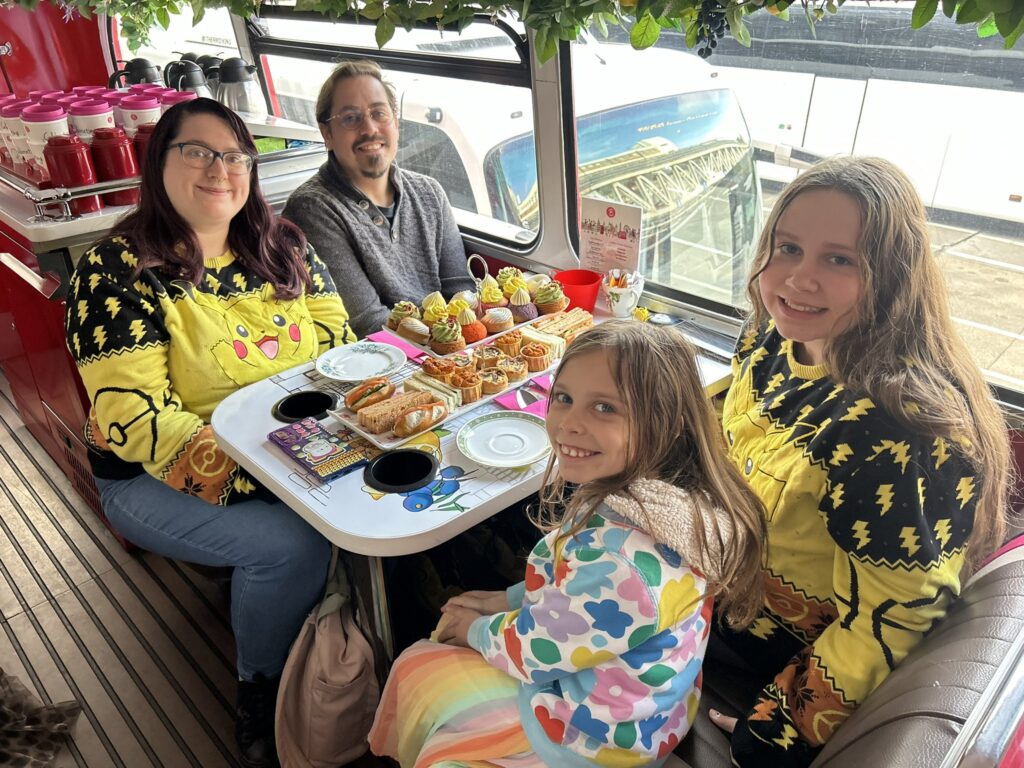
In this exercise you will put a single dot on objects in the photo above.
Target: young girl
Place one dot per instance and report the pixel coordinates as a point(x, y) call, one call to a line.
point(864, 426)
point(595, 658)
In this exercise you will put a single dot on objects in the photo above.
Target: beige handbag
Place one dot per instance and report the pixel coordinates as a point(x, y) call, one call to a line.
point(329, 690)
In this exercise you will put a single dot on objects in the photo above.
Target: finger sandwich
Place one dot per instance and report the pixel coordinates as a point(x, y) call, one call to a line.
point(447, 394)
point(555, 343)
point(380, 417)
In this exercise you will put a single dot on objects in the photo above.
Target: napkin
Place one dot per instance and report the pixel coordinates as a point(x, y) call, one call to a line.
point(385, 337)
point(525, 399)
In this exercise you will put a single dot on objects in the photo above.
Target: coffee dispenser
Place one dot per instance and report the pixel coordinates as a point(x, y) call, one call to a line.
point(134, 72)
point(238, 89)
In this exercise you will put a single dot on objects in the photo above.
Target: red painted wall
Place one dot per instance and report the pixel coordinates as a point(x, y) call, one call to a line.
point(48, 52)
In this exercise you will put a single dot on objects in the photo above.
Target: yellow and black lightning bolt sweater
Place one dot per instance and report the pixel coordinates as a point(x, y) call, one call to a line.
point(867, 524)
point(157, 355)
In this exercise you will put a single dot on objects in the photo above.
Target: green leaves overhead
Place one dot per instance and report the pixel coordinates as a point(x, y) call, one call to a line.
point(554, 20)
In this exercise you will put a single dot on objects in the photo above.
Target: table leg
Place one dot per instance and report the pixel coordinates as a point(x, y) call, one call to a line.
point(381, 614)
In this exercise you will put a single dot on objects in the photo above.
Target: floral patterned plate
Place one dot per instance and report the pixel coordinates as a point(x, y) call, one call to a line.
point(356, 362)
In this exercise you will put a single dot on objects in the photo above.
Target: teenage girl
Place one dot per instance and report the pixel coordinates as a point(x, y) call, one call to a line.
point(595, 658)
point(866, 429)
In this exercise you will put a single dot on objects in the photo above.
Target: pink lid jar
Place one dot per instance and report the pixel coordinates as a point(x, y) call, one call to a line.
point(86, 116)
point(168, 100)
point(137, 110)
point(14, 131)
point(42, 121)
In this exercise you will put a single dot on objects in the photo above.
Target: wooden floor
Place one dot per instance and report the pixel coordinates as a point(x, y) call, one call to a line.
point(143, 643)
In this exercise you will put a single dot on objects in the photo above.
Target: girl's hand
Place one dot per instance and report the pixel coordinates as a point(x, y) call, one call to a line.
point(455, 630)
point(726, 723)
point(480, 601)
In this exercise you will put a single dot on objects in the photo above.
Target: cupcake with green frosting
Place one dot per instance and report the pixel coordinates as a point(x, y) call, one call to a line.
point(446, 336)
point(508, 273)
point(400, 311)
point(550, 299)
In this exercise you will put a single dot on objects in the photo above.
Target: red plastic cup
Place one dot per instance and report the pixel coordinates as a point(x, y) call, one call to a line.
point(580, 286)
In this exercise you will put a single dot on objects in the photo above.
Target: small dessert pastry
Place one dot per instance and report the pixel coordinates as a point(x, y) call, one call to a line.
point(469, 383)
point(438, 368)
point(514, 367)
point(419, 418)
point(414, 330)
point(550, 299)
point(508, 273)
point(472, 329)
point(400, 311)
point(534, 282)
point(488, 357)
point(491, 297)
point(432, 300)
point(537, 356)
point(456, 305)
point(509, 343)
point(464, 362)
point(446, 336)
point(489, 282)
point(498, 320)
point(512, 286)
point(521, 307)
point(435, 313)
point(471, 299)
point(494, 380)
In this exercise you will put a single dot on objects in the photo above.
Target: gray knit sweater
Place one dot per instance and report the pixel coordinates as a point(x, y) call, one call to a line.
point(376, 264)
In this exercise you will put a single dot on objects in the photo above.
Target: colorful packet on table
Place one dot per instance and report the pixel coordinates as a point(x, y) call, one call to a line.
point(320, 452)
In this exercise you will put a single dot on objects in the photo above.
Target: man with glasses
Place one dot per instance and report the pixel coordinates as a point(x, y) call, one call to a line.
point(386, 234)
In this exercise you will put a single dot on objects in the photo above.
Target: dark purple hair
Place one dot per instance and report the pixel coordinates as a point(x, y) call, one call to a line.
point(271, 247)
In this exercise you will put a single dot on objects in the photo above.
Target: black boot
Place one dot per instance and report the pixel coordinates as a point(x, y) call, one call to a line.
point(254, 722)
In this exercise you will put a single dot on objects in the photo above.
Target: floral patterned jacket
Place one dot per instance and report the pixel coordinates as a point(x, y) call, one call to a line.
point(607, 632)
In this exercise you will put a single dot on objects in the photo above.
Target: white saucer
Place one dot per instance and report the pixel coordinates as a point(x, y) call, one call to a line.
point(356, 362)
point(507, 439)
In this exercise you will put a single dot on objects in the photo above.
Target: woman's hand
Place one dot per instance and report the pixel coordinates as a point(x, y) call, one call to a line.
point(454, 627)
point(481, 601)
point(726, 723)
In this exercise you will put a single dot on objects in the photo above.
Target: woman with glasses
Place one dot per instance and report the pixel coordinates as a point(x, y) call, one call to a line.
point(199, 291)
point(386, 234)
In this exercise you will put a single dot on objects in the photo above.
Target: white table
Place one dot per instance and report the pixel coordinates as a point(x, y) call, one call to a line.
point(353, 516)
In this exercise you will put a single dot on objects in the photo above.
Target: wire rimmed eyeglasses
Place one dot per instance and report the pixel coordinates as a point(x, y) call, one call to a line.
point(200, 156)
point(353, 119)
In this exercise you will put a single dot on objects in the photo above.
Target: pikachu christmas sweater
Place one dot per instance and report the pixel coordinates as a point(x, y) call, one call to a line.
point(867, 524)
point(158, 354)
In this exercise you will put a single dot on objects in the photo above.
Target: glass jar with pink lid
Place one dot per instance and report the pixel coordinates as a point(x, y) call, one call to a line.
point(5, 136)
point(42, 121)
point(86, 116)
point(139, 109)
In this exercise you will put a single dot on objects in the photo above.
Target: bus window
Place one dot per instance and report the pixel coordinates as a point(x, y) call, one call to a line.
point(213, 35)
point(682, 153)
point(448, 125)
point(938, 101)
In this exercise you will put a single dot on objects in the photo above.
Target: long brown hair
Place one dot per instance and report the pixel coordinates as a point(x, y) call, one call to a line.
point(902, 348)
point(272, 247)
point(675, 436)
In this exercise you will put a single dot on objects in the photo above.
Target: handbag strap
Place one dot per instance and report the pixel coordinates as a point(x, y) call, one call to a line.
point(338, 591)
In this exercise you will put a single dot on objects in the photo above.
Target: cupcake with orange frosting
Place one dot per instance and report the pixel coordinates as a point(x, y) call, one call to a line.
point(550, 299)
point(446, 336)
point(472, 329)
point(522, 308)
point(491, 297)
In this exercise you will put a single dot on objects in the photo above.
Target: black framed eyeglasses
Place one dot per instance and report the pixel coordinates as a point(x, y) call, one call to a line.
point(352, 120)
point(200, 156)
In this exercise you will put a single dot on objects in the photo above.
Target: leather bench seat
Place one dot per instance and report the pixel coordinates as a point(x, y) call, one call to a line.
point(914, 717)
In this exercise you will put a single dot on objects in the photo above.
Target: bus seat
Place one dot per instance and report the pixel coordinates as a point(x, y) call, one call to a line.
point(912, 719)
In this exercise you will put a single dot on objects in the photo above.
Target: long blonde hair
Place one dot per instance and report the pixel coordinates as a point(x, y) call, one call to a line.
point(902, 349)
point(675, 436)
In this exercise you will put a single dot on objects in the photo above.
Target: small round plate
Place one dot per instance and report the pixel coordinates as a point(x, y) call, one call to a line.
point(510, 439)
point(355, 362)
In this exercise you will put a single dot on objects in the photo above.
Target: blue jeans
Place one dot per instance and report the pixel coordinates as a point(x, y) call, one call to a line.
point(279, 560)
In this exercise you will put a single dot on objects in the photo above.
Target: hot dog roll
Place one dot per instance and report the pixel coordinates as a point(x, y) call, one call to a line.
point(418, 418)
point(369, 392)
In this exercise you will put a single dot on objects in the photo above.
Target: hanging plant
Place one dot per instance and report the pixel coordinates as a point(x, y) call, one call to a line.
point(704, 22)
